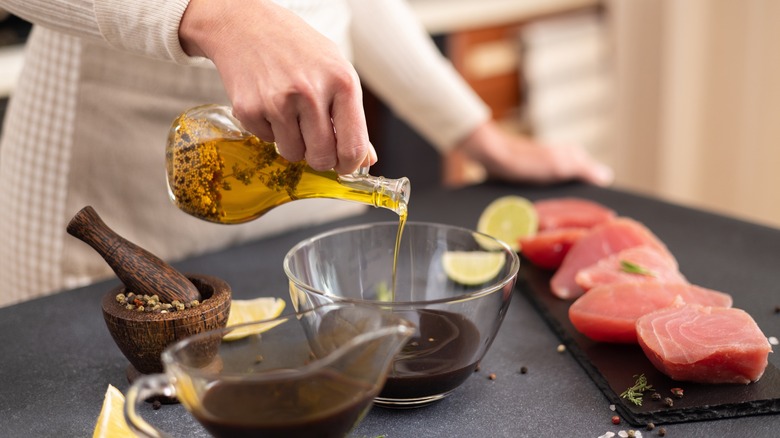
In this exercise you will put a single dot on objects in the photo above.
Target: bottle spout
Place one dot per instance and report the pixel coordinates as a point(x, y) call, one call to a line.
point(390, 193)
point(394, 194)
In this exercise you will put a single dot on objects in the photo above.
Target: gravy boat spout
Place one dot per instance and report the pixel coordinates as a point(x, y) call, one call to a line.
point(359, 341)
point(302, 374)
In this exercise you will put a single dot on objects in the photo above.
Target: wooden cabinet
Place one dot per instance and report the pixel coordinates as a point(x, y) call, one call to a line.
point(481, 38)
point(489, 60)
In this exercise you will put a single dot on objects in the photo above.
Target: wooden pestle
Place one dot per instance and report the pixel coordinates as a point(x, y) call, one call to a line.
point(141, 271)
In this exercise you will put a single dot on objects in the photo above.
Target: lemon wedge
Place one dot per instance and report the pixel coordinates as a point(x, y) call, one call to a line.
point(257, 309)
point(508, 219)
point(111, 421)
point(472, 267)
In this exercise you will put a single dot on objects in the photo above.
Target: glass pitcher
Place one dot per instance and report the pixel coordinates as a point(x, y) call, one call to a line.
point(219, 172)
point(313, 373)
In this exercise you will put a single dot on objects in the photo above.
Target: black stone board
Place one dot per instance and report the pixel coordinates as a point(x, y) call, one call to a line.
point(614, 368)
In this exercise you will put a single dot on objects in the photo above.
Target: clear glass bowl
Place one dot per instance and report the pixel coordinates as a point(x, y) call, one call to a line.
point(455, 323)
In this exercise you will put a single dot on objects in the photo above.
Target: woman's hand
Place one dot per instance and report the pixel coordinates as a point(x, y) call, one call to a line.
point(518, 159)
point(286, 82)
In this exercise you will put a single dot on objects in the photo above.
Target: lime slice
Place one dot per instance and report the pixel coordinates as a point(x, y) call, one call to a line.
point(508, 219)
point(257, 309)
point(111, 421)
point(472, 267)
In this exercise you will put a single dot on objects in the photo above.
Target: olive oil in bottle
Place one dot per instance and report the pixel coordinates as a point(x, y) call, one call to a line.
point(221, 173)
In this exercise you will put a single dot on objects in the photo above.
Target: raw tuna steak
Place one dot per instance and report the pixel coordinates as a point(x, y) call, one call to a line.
point(609, 313)
point(637, 264)
point(571, 213)
point(704, 344)
point(546, 249)
point(601, 241)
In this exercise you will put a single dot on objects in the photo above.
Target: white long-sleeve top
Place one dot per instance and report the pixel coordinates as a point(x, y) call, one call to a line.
point(103, 80)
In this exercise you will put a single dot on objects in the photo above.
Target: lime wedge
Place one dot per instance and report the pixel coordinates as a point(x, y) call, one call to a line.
point(257, 309)
point(472, 267)
point(508, 219)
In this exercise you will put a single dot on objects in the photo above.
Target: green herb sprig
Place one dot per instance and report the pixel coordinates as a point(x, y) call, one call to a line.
point(633, 268)
point(635, 393)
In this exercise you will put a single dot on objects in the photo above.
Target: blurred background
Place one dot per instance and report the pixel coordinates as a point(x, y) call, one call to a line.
point(681, 98)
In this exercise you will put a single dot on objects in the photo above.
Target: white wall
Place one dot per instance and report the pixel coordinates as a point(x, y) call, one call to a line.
point(698, 103)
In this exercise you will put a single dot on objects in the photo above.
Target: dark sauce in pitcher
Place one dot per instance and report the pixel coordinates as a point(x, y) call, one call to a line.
point(440, 356)
point(323, 404)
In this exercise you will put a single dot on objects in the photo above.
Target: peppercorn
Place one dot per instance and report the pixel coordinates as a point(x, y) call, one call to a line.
point(523, 370)
point(668, 402)
point(492, 376)
point(650, 426)
point(561, 348)
point(615, 419)
point(661, 431)
point(156, 404)
point(655, 396)
point(147, 303)
point(631, 433)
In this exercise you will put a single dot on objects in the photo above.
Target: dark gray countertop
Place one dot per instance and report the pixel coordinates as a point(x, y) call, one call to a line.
point(57, 358)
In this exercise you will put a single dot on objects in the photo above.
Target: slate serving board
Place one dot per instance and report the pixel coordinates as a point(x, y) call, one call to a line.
point(614, 368)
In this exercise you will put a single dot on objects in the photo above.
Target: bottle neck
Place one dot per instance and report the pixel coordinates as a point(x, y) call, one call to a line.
point(392, 194)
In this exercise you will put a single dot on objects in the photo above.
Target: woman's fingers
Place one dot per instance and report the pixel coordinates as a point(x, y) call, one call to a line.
point(349, 123)
point(287, 83)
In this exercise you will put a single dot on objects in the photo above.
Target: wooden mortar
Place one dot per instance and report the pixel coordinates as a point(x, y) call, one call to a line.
point(142, 336)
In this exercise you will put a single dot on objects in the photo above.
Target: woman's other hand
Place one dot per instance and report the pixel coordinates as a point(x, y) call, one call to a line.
point(517, 158)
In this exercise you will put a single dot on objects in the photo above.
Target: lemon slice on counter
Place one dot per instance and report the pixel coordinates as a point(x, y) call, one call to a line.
point(257, 309)
point(508, 219)
point(111, 421)
point(472, 267)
